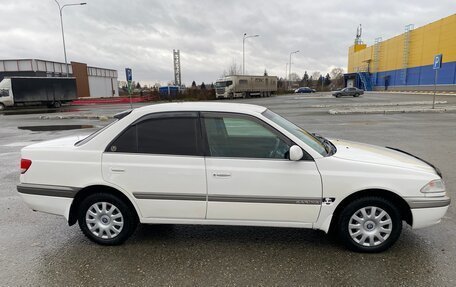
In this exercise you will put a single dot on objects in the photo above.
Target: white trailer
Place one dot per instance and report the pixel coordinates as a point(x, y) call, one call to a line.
point(244, 86)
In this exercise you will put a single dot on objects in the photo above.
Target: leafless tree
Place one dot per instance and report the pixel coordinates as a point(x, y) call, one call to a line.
point(233, 69)
point(294, 77)
point(316, 75)
point(337, 76)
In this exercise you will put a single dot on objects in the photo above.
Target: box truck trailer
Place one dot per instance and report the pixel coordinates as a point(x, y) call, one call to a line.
point(28, 91)
point(244, 86)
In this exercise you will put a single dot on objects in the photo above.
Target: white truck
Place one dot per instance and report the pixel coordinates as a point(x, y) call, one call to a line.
point(29, 91)
point(244, 86)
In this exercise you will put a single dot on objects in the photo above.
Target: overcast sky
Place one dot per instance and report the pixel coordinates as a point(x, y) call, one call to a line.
point(142, 34)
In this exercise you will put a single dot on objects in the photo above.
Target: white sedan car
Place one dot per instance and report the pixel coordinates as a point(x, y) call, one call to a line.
point(229, 164)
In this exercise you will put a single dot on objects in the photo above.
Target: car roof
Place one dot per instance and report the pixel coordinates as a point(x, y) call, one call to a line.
point(200, 106)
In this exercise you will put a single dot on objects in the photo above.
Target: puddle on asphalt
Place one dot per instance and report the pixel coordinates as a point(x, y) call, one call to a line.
point(11, 112)
point(55, 128)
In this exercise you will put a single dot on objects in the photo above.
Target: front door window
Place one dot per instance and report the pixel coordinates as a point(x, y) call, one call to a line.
point(231, 135)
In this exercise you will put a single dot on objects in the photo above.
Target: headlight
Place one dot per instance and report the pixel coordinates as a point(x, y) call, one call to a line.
point(434, 186)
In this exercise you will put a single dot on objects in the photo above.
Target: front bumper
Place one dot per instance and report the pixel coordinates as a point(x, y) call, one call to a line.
point(428, 211)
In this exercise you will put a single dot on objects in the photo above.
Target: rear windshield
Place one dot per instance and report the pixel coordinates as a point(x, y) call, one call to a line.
point(117, 117)
point(92, 135)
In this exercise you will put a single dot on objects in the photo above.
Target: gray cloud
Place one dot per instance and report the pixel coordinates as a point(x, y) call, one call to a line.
point(142, 34)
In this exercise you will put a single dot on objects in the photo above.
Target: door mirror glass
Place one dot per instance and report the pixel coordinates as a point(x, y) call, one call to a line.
point(296, 153)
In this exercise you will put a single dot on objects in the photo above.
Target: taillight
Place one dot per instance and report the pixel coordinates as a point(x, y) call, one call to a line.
point(25, 165)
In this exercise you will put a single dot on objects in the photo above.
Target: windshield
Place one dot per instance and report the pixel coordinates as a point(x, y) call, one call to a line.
point(223, 84)
point(298, 132)
point(5, 84)
point(220, 84)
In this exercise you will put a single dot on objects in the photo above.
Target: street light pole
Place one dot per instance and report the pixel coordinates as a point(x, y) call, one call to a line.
point(286, 71)
point(63, 34)
point(289, 67)
point(243, 50)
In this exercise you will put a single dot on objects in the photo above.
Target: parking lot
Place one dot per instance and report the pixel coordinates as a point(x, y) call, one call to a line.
point(41, 250)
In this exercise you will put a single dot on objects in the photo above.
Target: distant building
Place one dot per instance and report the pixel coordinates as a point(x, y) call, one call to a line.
point(90, 81)
point(405, 62)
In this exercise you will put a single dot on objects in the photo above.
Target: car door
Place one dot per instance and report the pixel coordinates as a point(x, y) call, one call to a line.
point(249, 176)
point(159, 160)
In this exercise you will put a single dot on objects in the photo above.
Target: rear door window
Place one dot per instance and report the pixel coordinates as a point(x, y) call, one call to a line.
point(172, 135)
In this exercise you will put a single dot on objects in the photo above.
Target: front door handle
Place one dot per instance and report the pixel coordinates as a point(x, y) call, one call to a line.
point(117, 170)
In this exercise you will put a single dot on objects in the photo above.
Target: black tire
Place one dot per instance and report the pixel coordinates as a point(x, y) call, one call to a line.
point(337, 96)
point(56, 104)
point(129, 219)
point(356, 95)
point(2, 107)
point(345, 218)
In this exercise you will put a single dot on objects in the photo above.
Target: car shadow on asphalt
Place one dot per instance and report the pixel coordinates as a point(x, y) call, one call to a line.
point(232, 255)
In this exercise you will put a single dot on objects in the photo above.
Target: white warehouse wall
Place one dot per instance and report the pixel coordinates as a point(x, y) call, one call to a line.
point(102, 87)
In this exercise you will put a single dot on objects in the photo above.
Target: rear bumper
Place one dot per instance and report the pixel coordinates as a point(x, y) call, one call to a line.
point(48, 198)
point(428, 211)
point(48, 204)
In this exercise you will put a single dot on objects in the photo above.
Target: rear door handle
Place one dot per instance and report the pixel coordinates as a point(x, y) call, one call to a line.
point(221, 174)
point(117, 170)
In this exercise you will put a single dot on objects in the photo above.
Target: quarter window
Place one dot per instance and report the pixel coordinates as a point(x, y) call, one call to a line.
point(242, 136)
point(173, 136)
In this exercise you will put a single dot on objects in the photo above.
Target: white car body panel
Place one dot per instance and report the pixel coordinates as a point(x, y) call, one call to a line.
point(263, 179)
point(354, 168)
point(150, 175)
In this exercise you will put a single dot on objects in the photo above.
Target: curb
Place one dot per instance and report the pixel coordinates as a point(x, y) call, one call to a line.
point(77, 117)
point(355, 105)
point(112, 100)
point(430, 93)
point(392, 111)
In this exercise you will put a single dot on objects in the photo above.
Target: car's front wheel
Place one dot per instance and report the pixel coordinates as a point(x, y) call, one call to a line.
point(369, 224)
point(106, 219)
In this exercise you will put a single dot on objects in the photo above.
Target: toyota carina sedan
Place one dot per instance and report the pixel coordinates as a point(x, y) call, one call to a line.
point(229, 164)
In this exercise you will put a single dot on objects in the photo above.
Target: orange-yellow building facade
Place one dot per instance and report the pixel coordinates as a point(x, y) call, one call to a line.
point(405, 62)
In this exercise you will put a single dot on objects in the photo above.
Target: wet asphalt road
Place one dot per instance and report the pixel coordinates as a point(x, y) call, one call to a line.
point(41, 250)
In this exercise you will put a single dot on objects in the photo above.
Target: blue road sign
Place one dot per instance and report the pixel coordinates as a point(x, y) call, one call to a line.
point(128, 74)
point(437, 62)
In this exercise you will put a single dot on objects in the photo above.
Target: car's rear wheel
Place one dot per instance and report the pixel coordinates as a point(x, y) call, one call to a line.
point(2, 107)
point(369, 224)
point(356, 95)
point(106, 219)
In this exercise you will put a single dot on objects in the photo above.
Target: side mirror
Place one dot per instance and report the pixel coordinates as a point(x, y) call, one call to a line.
point(296, 153)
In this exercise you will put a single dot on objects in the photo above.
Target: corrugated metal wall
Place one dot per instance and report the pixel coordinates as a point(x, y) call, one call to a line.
point(425, 42)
